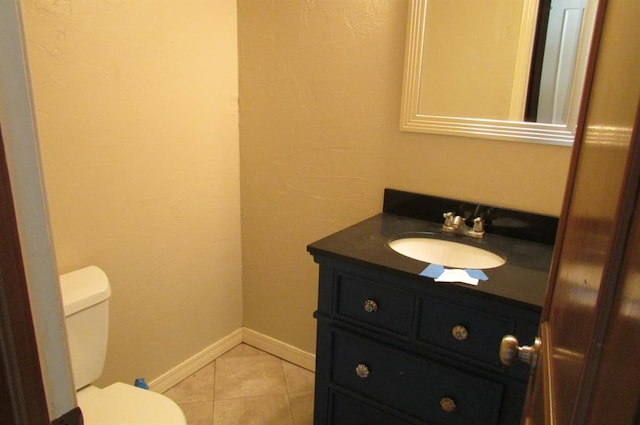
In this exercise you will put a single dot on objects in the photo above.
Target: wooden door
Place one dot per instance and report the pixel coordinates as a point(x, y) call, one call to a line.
point(559, 62)
point(589, 369)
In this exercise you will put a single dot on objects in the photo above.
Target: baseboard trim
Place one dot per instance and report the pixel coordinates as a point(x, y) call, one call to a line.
point(196, 362)
point(248, 336)
point(279, 349)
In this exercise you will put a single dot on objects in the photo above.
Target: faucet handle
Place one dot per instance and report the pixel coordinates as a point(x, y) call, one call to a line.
point(448, 218)
point(478, 225)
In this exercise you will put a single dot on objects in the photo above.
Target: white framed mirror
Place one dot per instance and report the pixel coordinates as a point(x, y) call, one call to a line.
point(470, 68)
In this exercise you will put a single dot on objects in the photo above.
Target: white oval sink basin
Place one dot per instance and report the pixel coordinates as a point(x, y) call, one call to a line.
point(446, 253)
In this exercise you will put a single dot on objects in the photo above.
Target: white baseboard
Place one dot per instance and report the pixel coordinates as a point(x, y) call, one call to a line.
point(256, 339)
point(196, 362)
point(279, 349)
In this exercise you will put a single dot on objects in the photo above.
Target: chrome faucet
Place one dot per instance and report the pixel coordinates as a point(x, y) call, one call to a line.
point(456, 224)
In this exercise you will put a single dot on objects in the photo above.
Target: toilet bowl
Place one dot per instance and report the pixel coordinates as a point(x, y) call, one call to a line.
point(85, 296)
point(125, 404)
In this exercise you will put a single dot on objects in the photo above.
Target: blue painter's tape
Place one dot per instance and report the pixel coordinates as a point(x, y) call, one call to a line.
point(477, 274)
point(433, 271)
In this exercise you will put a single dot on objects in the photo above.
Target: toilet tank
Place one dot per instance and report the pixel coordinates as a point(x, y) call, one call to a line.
point(85, 297)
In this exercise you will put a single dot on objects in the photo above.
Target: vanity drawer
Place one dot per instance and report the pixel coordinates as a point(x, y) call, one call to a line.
point(413, 385)
point(464, 330)
point(347, 411)
point(374, 304)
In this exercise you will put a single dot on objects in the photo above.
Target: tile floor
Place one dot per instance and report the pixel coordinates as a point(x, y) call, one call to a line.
point(246, 386)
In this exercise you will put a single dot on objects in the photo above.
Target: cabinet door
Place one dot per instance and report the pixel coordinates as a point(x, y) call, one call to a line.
point(463, 330)
point(347, 411)
point(374, 304)
point(418, 387)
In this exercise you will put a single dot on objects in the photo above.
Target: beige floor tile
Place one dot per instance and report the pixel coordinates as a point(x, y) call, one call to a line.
point(195, 388)
point(302, 408)
point(297, 378)
point(265, 410)
point(199, 413)
point(250, 387)
point(248, 376)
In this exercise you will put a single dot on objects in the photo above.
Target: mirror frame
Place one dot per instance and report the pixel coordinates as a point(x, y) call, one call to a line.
point(520, 131)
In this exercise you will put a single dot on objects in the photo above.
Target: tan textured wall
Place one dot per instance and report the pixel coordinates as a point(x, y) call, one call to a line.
point(136, 104)
point(320, 86)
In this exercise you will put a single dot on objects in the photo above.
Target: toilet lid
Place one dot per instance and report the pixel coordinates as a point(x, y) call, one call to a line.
point(122, 404)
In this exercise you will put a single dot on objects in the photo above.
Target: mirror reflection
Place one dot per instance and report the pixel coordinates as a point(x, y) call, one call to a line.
point(509, 69)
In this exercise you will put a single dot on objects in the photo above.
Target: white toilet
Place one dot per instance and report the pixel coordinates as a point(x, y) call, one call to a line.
point(85, 295)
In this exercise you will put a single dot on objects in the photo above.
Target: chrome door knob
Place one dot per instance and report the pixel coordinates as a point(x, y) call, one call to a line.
point(511, 351)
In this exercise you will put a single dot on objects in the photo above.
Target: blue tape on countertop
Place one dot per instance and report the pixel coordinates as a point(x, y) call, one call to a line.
point(476, 274)
point(433, 271)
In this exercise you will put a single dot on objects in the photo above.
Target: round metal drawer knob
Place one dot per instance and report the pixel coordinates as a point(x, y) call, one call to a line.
point(362, 371)
point(448, 404)
point(460, 332)
point(370, 306)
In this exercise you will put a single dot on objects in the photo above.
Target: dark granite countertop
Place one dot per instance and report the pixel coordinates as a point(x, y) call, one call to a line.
point(523, 278)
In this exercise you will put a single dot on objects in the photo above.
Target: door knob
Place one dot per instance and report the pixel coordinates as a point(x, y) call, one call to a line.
point(511, 351)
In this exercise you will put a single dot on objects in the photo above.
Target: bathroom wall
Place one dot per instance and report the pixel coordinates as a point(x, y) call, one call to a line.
point(137, 116)
point(320, 86)
point(136, 106)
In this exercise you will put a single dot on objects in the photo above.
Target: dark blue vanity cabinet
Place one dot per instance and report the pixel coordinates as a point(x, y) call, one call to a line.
point(396, 348)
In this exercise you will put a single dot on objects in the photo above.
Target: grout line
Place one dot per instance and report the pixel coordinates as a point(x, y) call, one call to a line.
point(286, 384)
point(259, 353)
